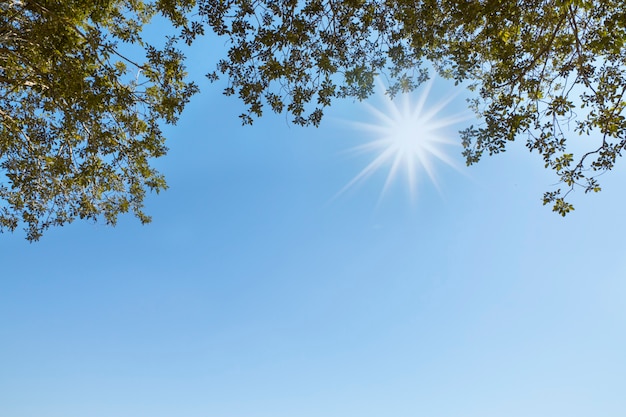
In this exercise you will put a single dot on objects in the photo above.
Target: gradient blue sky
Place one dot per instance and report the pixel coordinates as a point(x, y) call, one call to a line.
point(254, 294)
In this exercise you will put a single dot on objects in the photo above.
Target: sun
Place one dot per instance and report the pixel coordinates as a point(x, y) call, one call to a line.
point(409, 137)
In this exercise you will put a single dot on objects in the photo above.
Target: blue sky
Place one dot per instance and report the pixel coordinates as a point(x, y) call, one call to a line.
point(254, 293)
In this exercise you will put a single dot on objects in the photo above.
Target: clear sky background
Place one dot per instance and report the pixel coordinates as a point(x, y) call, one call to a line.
point(254, 293)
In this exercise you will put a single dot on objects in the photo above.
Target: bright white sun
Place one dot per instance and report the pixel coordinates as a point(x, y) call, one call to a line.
point(409, 137)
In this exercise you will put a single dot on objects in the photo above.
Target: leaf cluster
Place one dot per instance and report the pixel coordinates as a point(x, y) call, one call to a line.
point(297, 56)
point(79, 119)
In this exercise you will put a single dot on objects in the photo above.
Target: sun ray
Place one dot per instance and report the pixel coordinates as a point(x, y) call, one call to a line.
point(408, 137)
point(373, 166)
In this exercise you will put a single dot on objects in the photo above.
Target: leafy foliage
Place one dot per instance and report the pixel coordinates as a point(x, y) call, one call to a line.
point(79, 119)
point(287, 54)
point(552, 71)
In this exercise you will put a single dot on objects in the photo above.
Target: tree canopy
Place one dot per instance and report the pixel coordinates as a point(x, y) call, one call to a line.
point(80, 118)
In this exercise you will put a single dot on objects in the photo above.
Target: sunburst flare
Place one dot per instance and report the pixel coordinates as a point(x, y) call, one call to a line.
point(409, 136)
